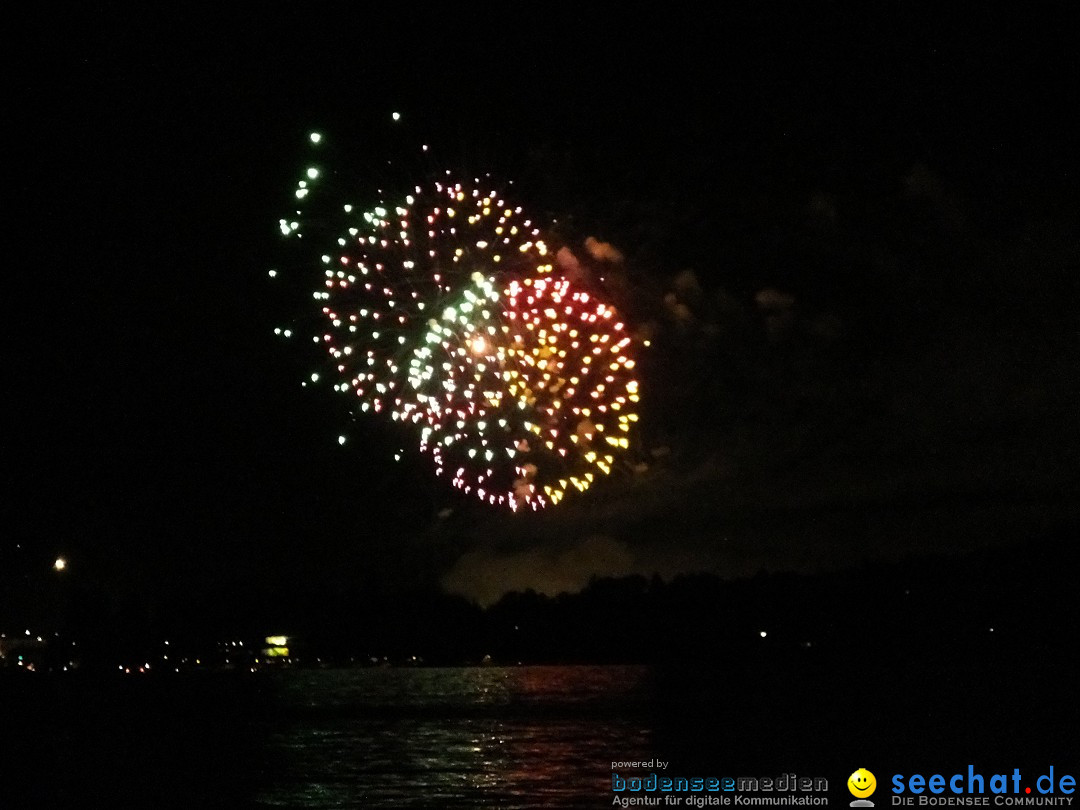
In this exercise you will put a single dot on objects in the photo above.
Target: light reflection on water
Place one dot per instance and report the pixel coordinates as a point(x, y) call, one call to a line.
point(478, 737)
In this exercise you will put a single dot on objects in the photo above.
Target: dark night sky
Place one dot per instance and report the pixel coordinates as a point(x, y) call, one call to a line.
point(854, 239)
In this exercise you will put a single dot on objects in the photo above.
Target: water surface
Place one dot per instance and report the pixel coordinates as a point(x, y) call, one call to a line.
point(477, 737)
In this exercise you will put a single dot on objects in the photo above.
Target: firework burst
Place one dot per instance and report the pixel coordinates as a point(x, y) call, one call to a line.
point(445, 312)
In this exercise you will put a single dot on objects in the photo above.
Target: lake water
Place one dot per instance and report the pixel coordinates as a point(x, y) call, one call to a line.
point(348, 738)
point(518, 737)
point(479, 737)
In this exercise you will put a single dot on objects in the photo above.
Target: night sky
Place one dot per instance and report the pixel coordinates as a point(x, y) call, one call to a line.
point(852, 239)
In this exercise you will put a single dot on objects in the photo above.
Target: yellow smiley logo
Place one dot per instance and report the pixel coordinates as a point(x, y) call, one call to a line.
point(861, 783)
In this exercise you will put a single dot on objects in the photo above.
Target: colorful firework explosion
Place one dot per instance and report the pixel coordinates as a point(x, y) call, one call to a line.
point(446, 312)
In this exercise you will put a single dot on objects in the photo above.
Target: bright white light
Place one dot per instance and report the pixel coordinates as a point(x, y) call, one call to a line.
point(60, 564)
point(396, 116)
point(341, 440)
point(315, 137)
